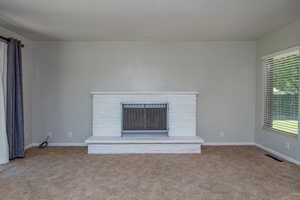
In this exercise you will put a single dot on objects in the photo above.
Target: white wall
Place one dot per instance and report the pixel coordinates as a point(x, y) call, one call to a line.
point(286, 37)
point(223, 73)
point(27, 61)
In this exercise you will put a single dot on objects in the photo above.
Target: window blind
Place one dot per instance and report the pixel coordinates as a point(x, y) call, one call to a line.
point(281, 91)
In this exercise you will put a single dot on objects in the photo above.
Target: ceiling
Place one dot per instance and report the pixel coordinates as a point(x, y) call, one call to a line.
point(147, 20)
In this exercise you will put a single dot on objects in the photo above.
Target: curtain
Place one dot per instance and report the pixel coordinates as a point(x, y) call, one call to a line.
point(14, 100)
point(3, 134)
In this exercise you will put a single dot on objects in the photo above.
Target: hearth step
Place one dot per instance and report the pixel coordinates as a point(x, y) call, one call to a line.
point(131, 145)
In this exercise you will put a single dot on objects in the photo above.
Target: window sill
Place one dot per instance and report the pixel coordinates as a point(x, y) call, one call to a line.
point(290, 135)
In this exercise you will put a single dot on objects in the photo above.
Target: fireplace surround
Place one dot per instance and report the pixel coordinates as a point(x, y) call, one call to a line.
point(144, 122)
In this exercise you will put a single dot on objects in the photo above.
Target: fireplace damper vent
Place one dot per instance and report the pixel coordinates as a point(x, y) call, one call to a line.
point(152, 118)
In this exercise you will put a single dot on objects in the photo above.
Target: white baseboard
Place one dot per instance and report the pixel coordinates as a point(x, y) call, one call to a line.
point(29, 146)
point(57, 145)
point(205, 144)
point(285, 157)
point(67, 144)
point(292, 160)
point(229, 144)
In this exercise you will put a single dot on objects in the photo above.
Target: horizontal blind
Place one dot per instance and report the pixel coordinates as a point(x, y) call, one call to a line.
point(281, 91)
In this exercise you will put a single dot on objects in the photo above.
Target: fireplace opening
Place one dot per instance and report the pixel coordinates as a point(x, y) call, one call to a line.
point(145, 118)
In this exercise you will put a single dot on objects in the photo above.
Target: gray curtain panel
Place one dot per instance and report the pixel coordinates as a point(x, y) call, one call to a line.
point(14, 103)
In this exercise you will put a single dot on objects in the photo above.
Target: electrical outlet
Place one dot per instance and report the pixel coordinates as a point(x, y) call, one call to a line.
point(221, 133)
point(70, 134)
point(50, 134)
point(287, 145)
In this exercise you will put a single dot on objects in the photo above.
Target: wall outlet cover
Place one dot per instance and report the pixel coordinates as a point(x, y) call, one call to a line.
point(221, 133)
point(287, 145)
point(70, 134)
point(50, 134)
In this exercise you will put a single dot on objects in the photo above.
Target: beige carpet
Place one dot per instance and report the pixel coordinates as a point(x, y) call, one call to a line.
point(219, 173)
point(295, 196)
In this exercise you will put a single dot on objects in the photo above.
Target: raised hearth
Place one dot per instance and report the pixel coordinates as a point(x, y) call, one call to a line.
point(134, 145)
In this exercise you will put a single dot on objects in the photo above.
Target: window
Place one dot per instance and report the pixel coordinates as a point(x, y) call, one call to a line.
point(281, 91)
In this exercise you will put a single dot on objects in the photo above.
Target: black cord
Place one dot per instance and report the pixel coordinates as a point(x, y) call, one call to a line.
point(44, 144)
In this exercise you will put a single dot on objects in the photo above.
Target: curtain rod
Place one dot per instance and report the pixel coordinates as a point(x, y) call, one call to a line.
point(7, 39)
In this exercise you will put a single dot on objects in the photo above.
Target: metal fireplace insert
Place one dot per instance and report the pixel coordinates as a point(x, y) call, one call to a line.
point(144, 118)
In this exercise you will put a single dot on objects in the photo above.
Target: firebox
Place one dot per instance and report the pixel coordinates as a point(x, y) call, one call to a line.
point(144, 118)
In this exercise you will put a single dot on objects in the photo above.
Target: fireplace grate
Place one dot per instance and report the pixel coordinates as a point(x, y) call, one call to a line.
point(145, 118)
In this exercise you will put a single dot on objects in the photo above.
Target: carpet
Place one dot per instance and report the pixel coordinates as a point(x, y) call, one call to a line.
point(291, 197)
point(232, 172)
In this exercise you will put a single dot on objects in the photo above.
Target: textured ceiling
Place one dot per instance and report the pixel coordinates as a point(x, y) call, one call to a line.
point(146, 20)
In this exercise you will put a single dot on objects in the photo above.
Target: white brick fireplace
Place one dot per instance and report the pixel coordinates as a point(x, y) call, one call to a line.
point(107, 124)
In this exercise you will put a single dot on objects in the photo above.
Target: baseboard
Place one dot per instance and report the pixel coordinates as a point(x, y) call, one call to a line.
point(229, 144)
point(29, 146)
point(67, 144)
point(57, 145)
point(292, 160)
point(205, 144)
point(285, 157)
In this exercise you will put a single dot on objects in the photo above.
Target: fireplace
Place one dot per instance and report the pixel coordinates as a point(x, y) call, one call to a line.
point(144, 118)
point(144, 122)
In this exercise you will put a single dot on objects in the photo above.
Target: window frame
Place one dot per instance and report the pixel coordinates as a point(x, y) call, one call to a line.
point(277, 53)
